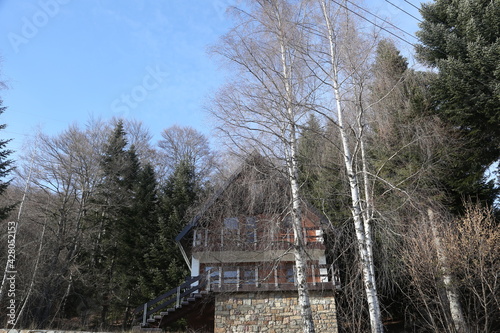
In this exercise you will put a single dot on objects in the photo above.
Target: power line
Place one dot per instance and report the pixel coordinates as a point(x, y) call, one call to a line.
point(383, 20)
point(404, 11)
point(412, 5)
point(393, 34)
point(374, 23)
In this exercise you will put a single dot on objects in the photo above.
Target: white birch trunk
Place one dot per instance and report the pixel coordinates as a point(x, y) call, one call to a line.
point(299, 250)
point(368, 209)
point(290, 142)
point(456, 311)
point(361, 225)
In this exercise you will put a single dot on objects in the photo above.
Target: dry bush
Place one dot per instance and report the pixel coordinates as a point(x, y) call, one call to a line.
point(472, 250)
point(473, 247)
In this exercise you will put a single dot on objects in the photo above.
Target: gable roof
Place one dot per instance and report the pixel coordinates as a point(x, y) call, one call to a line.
point(254, 161)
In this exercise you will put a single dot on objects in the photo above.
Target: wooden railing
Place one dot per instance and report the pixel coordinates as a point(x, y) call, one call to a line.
point(222, 240)
point(253, 278)
point(171, 299)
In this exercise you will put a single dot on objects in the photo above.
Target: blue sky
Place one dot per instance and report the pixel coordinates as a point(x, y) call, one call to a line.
point(65, 61)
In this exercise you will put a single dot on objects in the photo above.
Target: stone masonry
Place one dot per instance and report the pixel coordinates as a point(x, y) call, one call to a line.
point(272, 312)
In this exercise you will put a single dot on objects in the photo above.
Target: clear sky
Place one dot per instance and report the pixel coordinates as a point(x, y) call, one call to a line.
point(65, 61)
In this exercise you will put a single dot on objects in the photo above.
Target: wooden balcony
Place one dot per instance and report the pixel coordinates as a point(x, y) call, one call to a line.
point(257, 278)
point(253, 240)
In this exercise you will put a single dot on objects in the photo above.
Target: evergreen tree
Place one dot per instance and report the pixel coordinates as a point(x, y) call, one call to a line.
point(408, 150)
point(320, 176)
point(166, 266)
point(5, 168)
point(460, 39)
point(115, 262)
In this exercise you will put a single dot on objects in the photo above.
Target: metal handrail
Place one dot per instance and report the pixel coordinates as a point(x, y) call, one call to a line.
point(174, 295)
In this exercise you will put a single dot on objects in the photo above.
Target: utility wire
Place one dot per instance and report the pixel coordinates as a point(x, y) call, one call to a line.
point(383, 20)
point(391, 33)
point(419, 20)
point(404, 11)
point(408, 2)
point(374, 23)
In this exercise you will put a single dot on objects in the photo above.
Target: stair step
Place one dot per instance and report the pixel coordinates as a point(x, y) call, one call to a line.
point(204, 292)
point(186, 302)
point(151, 320)
point(198, 295)
point(171, 310)
point(163, 313)
point(157, 317)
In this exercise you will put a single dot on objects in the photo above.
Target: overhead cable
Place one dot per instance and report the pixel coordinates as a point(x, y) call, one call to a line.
point(404, 11)
point(374, 23)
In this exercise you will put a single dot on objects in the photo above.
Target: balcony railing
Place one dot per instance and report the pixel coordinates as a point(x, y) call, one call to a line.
point(217, 279)
point(255, 278)
point(253, 239)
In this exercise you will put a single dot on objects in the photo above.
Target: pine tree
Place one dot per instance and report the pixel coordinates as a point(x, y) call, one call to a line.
point(115, 264)
point(460, 39)
point(164, 265)
point(320, 175)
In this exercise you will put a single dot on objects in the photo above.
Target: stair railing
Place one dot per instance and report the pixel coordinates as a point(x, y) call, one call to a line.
point(173, 296)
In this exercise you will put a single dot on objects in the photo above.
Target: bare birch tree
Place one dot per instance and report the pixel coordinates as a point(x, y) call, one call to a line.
point(343, 56)
point(264, 107)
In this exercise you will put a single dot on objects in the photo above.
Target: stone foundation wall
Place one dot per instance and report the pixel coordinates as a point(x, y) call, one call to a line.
point(272, 312)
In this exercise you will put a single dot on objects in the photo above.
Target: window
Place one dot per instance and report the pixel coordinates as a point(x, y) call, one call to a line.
point(248, 275)
point(287, 229)
point(287, 222)
point(213, 275)
point(251, 230)
point(290, 273)
point(231, 223)
point(229, 275)
point(230, 233)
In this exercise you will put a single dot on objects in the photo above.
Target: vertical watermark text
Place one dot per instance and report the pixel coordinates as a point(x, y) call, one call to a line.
point(11, 272)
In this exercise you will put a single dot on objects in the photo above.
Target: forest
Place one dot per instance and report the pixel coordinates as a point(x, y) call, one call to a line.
point(403, 162)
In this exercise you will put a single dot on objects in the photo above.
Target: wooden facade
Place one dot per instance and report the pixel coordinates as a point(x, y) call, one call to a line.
point(251, 253)
point(242, 241)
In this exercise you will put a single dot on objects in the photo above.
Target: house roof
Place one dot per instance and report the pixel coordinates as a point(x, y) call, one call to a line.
point(253, 159)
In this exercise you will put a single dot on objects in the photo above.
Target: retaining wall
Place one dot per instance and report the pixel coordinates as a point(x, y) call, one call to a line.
point(275, 312)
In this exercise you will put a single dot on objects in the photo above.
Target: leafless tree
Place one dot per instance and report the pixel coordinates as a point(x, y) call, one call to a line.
point(64, 175)
point(342, 56)
point(450, 257)
point(186, 143)
point(264, 106)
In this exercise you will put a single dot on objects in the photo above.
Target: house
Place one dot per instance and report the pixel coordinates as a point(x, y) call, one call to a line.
point(239, 249)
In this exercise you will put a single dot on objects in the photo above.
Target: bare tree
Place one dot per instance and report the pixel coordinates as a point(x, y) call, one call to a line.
point(140, 138)
point(186, 143)
point(263, 108)
point(342, 56)
point(65, 173)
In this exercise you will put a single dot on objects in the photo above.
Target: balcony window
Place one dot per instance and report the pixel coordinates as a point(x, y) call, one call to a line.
point(230, 275)
point(248, 275)
point(251, 230)
point(231, 223)
point(214, 276)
